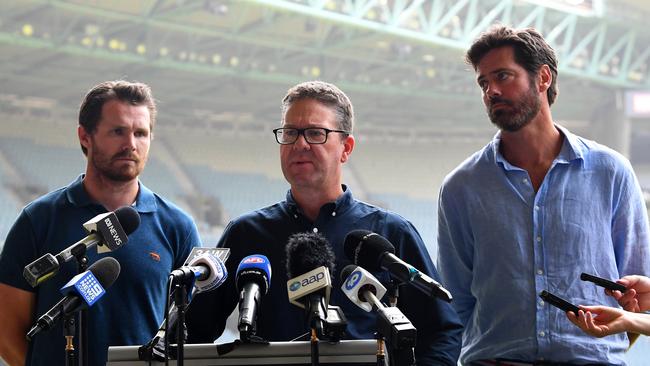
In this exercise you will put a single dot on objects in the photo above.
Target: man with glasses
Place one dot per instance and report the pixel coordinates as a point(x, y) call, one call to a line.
point(315, 141)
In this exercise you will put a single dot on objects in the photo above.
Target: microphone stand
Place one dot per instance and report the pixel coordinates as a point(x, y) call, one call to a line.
point(314, 347)
point(69, 325)
point(381, 354)
point(393, 292)
point(79, 253)
point(181, 306)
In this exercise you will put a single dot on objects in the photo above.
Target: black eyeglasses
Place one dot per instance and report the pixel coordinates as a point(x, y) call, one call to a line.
point(313, 135)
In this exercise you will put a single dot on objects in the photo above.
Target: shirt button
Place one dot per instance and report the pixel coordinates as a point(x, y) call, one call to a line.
point(540, 272)
point(541, 334)
point(333, 213)
point(295, 216)
point(541, 302)
point(536, 208)
point(525, 181)
point(539, 238)
point(315, 229)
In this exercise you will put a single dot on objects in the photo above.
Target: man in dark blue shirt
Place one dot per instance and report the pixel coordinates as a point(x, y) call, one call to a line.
point(315, 141)
point(116, 121)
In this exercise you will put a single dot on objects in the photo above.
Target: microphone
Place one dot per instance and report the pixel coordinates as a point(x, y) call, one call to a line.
point(375, 252)
point(108, 230)
point(82, 291)
point(204, 273)
point(310, 259)
point(253, 281)
point(361, 287)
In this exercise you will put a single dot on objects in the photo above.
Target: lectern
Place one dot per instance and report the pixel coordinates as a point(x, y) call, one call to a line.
point(350, 352)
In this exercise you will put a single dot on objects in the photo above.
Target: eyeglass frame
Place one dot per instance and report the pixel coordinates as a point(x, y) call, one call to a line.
point(301, 131)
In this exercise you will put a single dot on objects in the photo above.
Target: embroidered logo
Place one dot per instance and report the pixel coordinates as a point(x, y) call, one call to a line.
point(155, 256)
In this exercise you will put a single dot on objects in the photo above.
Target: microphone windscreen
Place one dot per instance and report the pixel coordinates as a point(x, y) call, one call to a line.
point(347, 271)
point(106, 271)
point(129, 218)
point(307, 251)
point(365, 248)
point(254, 268)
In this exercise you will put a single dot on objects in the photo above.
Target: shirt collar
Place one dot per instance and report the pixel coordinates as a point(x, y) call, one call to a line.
point(77, 195)
point(341, 204)
point(572, 148)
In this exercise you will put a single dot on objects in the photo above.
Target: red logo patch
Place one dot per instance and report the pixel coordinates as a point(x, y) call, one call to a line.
point(254, 260)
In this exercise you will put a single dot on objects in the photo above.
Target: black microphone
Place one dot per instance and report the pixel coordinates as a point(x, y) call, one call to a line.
point(310, 259)
point(82, 291)
point(253, 282)
point(374, 252)
point(108, 230)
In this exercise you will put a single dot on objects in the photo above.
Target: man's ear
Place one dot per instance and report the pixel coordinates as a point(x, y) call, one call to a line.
point(544, 78)
point(348, 146)
point(84, 136)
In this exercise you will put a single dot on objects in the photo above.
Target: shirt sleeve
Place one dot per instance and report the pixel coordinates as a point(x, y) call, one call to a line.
point(438, 326)
point(19, 250)
point(630, 233)
point(455, 259)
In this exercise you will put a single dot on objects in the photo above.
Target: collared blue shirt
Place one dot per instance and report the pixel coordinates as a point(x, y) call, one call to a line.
point(501, 243)
point(133, 307)
point(266, 232)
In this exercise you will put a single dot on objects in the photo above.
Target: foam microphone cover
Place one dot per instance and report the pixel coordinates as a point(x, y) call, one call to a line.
point(307, 251)
point(365, 248)
point(106, 271)
point(129, 218)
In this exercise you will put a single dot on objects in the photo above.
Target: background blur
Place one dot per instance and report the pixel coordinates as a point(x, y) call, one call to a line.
point(220, 68)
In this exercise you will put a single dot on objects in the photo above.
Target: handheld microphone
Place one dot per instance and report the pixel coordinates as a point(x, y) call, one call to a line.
point(108, 230)
point(375, 252)
point(205, 273)
point(361, 287)
point(253, 282)
point(82, 291)
point(310, 259)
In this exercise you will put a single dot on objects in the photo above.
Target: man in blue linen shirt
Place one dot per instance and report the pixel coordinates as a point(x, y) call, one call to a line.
point(531, 211)
point(316, 140)
point(116, 120)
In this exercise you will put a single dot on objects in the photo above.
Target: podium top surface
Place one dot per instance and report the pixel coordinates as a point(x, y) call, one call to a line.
point(349, 352)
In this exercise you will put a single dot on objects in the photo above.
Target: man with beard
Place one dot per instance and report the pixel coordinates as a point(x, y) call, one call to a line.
point(116, 120)
point(529, 212)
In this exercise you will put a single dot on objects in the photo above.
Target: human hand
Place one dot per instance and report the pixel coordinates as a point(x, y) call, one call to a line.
point(607, 321)
point(637, 296)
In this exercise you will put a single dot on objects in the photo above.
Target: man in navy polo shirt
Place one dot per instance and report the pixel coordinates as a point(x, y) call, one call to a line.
point(116, 120)
point(315, 141)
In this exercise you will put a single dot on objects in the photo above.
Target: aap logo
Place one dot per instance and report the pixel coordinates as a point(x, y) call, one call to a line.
point(353, 280)
point(294, 286)
point(254, 259)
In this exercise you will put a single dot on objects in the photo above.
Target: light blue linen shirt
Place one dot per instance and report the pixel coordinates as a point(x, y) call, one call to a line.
point(501, 243)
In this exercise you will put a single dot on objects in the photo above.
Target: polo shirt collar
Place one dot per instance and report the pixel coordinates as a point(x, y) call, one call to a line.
point(77, 195)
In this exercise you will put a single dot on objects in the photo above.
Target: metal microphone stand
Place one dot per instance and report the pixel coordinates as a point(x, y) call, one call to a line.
point(181, 306)
point(79, 253)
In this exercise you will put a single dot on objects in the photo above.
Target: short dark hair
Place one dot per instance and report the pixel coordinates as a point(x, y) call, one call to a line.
point(530, 49)
point(137, 94)
point(325, 93)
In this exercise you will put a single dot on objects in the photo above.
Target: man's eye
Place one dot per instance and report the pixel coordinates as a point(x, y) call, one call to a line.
point(315, 133)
